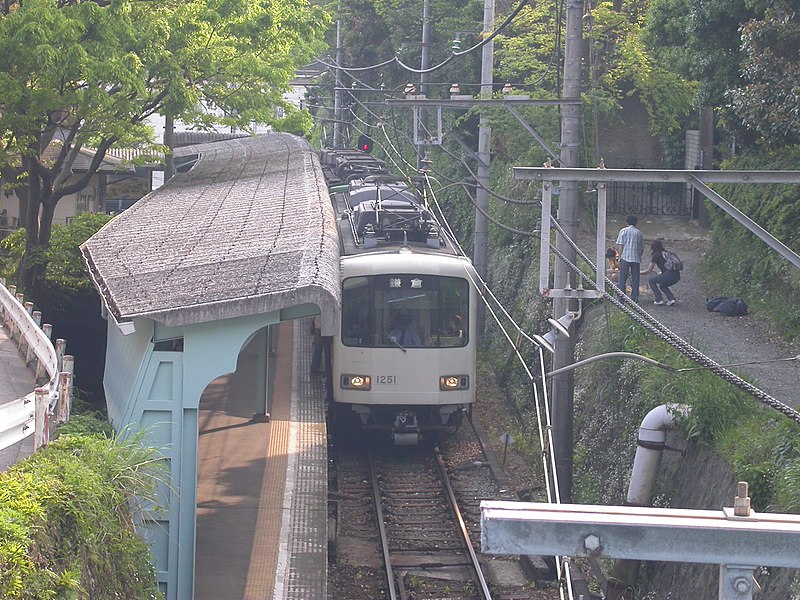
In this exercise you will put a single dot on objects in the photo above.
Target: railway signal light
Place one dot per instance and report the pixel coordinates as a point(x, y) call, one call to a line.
point(365, 143)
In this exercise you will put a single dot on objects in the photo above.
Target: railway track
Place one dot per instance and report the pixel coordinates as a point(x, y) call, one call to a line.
point(416, 541)
point(425, 544)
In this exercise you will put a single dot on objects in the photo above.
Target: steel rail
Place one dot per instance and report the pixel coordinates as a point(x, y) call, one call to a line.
point(387, 562)
point(475, 564)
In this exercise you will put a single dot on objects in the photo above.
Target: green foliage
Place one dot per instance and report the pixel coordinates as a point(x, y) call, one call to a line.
point(625, 65)
point(67, 269)
point(699, 40)
point(527, 51)
point(13, 249)
point(613, 397)
point(767, 102)
point(89, 423)
point(67, 520)
point(764, 450)
point(90, 74)
point(740, 264)
point(298, 122)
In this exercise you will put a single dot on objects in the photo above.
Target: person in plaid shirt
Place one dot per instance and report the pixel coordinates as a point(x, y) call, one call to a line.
point(630, 244)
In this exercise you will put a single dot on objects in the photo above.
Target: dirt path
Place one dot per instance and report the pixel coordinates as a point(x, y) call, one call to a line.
point(726, 340)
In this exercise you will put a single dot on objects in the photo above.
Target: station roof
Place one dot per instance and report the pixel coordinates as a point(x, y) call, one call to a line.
point(248, 229)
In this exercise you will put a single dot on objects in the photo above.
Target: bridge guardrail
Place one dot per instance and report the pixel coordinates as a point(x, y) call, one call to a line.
point(29, 414)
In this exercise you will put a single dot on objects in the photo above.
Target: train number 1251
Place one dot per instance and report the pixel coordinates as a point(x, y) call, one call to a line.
point(386, 379)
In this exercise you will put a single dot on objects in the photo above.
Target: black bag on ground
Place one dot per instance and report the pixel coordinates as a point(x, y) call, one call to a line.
point(730, 307)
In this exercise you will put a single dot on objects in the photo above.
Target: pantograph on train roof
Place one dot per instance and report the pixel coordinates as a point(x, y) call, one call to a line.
point(378, 210)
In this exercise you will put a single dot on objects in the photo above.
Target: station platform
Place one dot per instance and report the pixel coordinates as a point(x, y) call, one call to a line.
point(262, 486)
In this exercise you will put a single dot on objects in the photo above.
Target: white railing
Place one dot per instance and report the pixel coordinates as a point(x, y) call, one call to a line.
point(29, 414)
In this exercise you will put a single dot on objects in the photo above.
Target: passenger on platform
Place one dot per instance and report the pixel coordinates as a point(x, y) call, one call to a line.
point(630, 244)
point(321, 347)
point(404, 333)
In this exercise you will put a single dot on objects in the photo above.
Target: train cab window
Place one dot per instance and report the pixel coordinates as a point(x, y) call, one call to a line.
point(407, 310)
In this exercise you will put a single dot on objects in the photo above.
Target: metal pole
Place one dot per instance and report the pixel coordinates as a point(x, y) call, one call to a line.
point(563, 385)
point(484, 158)
point(169, 142)
point(700, 211)
point(337, 94)
point(425, 61)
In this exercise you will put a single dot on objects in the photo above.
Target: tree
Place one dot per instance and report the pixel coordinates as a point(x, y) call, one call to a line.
point(66, 268)
point(767, 102)
point(88, 74)
point(700, 40)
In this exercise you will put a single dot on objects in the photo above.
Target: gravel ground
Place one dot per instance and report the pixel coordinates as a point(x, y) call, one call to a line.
point(727, 340)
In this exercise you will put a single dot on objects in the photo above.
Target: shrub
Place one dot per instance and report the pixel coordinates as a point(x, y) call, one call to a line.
point(67, 517)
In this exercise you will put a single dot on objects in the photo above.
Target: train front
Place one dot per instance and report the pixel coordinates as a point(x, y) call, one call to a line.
point(404, 361)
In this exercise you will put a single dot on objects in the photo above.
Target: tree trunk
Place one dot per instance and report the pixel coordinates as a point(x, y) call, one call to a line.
point(26, 273)
point(46, 186)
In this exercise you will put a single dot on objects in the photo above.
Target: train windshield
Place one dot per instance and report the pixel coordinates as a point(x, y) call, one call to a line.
point(407, 310)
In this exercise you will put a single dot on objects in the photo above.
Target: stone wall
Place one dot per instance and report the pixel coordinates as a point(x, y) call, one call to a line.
point(699, 479)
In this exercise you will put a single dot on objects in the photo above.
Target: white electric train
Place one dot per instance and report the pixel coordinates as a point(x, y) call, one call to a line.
point(404, 360)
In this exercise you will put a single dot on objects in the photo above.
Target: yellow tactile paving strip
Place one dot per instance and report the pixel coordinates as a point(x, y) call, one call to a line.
point(264, 549)
point(241, 472)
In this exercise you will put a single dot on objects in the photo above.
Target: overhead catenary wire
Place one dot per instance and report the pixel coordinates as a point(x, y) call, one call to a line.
point(453, 55)
point(638, 314)
point(545, 433)
point(656, 327)
point(541, 402)
point(661, 331)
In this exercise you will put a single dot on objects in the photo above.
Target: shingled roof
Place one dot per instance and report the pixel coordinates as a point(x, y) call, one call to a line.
point(248, 230)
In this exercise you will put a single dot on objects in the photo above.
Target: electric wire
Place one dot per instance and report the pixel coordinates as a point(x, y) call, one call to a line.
point(638, 314)
point(453, 55)
point(541, 403)
point(661, 331)
point(641, 316)
point(544, 432)
point(739, 364)
point(448, 179)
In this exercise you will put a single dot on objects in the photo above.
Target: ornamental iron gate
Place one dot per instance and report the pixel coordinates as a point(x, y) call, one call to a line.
point(649, 198)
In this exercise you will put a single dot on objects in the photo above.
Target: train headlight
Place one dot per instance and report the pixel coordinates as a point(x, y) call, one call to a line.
point(356, 382)
point(448, 383)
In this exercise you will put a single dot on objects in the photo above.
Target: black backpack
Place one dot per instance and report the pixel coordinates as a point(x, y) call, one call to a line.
point(730, 307)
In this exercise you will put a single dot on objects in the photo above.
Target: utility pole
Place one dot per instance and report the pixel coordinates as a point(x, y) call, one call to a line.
point(169, 142)
point(337, 94)
point(706, 158)
point(425, 61)
point(484, 160)
point(564, 384)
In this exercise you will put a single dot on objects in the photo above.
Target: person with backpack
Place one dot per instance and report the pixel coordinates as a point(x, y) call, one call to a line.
point(670, 266)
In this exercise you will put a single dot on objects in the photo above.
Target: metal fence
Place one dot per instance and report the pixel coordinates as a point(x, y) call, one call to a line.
point(50, 366)
point(643, 198)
